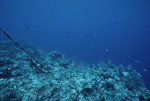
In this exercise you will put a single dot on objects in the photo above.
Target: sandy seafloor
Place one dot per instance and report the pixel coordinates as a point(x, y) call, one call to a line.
point(63, 79)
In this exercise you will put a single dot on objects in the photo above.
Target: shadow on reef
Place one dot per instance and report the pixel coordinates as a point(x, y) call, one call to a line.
point(66, 79)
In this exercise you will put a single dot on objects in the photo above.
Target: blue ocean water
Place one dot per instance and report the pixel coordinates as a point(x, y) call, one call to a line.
point(90, 31)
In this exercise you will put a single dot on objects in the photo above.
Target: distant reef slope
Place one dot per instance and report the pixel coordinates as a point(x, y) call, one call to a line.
point(63, 79)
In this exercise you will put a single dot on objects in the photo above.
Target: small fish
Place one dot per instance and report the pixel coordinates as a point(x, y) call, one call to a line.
point(81, 36)
point(137, 61)
point(27, 27)
point(106, 50)
point(145, 70)
point(95, 35)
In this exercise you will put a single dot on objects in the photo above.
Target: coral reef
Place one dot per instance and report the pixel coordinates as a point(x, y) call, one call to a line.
point(66, 80)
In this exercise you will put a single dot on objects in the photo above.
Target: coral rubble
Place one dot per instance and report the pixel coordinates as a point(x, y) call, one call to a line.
point(66, 80)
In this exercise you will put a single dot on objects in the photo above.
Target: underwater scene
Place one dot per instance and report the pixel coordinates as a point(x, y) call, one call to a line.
point(74, 50)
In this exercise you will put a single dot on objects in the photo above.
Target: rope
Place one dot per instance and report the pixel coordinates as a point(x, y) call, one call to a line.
point(24, 51)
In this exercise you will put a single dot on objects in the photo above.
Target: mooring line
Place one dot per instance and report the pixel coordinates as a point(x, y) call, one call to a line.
point(24, 50)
